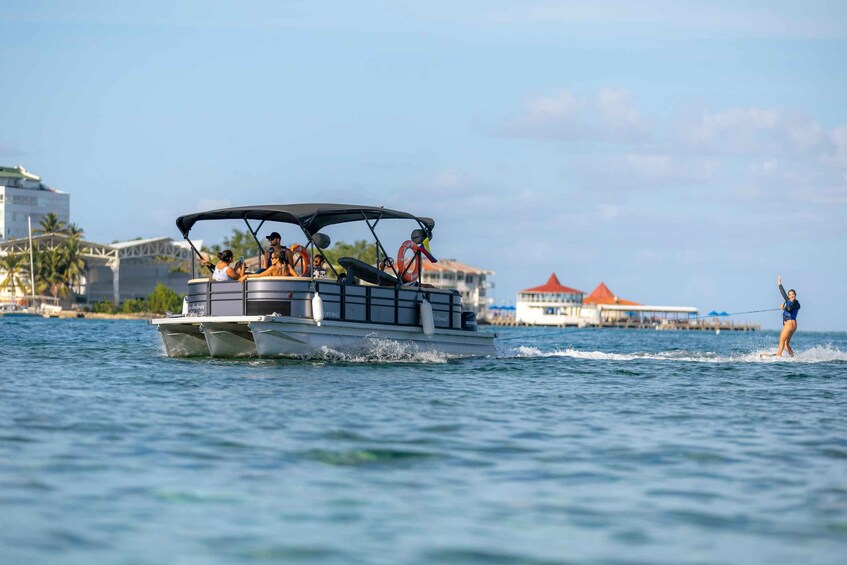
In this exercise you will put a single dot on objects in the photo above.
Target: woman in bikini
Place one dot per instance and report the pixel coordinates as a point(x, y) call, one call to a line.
point(278, 268)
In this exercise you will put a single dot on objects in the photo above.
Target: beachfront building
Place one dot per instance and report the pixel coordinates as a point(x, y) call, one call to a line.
point(113, 272)
point(471, 282)
point(551, 304)
point(22, 196)
point(597, 306)
point(603, 307)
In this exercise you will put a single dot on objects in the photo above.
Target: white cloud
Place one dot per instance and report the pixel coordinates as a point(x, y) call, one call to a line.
point(838, 156)
point(564, 105)
point(651, 165)
point(751, 156)
point(666, 168)
point(557, 116)
point(611, 115)
point(754, 131)
point(764, 167)
point(619, 113)
point(609, 212)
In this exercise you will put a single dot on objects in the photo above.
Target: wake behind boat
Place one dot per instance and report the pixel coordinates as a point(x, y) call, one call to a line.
point(305, 315)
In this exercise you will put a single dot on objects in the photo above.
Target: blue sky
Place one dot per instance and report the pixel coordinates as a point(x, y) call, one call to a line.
point(682, 154)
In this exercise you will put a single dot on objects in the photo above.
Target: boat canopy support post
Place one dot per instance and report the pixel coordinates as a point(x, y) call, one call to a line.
point(379, 246)
point(310, 242)
point(256, 239)
point(197, 253)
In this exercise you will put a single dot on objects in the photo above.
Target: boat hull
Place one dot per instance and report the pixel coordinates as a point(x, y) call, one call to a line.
point(183, 340)
point(228, 339)
point(281, 336)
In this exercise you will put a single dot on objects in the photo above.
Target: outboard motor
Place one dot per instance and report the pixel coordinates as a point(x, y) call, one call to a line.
point(469, 321)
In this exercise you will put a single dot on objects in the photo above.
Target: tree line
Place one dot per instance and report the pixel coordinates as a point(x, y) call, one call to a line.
point(59, 271)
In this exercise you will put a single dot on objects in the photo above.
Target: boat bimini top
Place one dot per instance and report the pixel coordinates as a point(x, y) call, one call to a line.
point(311, 218)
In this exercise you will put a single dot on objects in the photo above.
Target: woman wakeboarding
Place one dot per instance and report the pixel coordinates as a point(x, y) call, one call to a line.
point(789, 319)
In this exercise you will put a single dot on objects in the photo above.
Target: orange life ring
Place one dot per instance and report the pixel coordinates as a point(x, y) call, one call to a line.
point(300, 260)
point(411, 274)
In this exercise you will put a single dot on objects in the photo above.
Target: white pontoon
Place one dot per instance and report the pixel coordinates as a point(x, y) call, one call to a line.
point(306, 316)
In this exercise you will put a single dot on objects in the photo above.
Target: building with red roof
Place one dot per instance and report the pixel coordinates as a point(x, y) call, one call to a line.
point(602, 295)
point(551, 304)
point(554, 304)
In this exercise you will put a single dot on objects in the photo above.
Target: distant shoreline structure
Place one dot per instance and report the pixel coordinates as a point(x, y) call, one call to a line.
point(554, 304)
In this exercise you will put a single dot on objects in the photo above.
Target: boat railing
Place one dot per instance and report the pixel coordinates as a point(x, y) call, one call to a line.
point(348, 302)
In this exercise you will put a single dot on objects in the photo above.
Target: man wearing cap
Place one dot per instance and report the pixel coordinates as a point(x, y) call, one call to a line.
point(274, 239)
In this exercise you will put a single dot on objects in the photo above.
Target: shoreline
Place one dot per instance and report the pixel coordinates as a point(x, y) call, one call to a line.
point(75, 315)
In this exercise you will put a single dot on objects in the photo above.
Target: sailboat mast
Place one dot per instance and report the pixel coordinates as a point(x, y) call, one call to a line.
point(31, 262)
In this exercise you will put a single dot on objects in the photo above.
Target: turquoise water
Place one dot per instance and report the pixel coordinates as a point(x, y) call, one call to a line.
point(596, 446)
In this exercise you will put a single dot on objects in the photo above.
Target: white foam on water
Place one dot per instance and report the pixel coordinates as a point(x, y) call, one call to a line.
point(384, 351)
point(817, 354)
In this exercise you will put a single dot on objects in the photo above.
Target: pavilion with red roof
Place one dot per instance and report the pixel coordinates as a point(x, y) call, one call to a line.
point(552, 286)
point(551, 304)
point(602, 295)
point(554, 304)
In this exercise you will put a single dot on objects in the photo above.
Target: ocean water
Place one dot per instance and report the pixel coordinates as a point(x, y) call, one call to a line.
point(596, 446)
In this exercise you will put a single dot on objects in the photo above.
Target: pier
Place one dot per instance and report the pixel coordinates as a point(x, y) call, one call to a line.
point(662, 325)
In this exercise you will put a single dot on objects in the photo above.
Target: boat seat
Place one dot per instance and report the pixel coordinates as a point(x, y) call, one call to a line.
point(367, 273)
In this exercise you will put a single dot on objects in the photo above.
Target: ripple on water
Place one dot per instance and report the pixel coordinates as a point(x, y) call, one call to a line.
point(368, 456)
point(606, 446)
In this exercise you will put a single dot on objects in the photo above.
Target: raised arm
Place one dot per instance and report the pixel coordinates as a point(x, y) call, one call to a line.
point(781, 289)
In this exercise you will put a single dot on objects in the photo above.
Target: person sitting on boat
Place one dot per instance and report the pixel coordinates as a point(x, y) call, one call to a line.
point(278, 268)
point(224, 271)
point(274, 239)
point(318, 267)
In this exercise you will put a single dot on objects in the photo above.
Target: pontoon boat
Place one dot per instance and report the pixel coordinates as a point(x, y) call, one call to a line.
point(307, 316)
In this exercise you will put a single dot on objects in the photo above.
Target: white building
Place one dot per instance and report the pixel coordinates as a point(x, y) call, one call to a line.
point(554, 304)
point(116, 271)
point(22, 194)
point(603, 306)
point(471, 282)
point(551, 304)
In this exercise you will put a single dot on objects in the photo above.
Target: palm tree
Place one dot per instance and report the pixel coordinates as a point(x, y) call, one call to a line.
point(50, 223)
point(48, 273)
point(72, 264)
point(14, 266)
point(74, 230)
